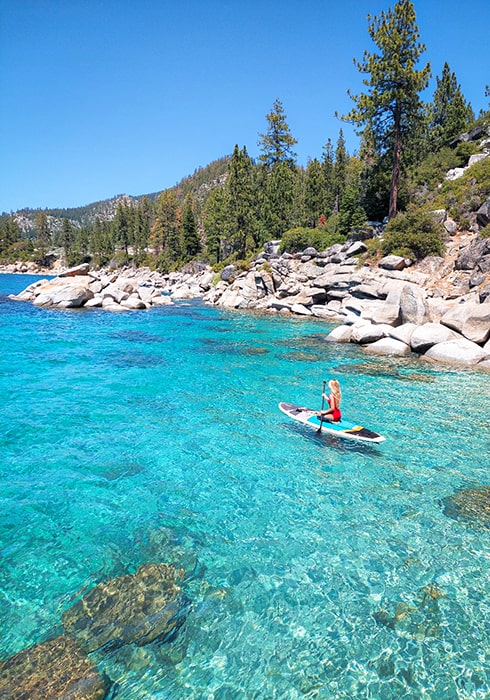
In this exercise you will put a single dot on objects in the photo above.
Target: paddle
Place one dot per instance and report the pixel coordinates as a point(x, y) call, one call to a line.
point(323, 404)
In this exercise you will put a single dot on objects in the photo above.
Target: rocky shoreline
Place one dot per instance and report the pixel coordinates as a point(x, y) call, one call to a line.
point(438, 309)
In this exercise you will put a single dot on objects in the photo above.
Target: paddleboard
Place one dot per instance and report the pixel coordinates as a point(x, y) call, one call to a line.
point(343, 428)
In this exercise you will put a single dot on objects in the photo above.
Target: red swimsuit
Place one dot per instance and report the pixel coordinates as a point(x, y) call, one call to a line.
point(336, 415)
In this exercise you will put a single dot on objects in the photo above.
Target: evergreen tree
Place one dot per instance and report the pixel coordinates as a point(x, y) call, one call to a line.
point(241, 213)
point(328, 159)
point(9, 233)
point(351, 213)
point(165, 234)
point(216, 224)
point(392, 107)
point(340, 170)
point(43, 232)
point(191, 245)
point(279, 210)
point(449, 114)
point(277, 143)
point(101, 245)
point(67, 237)
point(122, 227)
point(314, 193)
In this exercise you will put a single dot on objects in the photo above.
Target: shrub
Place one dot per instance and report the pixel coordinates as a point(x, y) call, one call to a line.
point(297, 239)
point(485, 232)
point(414, 235)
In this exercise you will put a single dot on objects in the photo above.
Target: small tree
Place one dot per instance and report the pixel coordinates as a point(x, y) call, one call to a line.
point(277, 143)
point(449, 114)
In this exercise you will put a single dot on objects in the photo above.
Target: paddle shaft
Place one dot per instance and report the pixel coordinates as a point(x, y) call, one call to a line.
point(323, 404)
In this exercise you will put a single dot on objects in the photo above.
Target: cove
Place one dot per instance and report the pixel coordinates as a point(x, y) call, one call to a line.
point(314, 568)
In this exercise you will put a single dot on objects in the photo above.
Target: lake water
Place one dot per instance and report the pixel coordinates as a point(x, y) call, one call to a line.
point(315, 567)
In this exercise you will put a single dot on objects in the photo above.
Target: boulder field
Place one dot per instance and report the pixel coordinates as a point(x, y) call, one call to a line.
point(123, 290)
point(438, 309)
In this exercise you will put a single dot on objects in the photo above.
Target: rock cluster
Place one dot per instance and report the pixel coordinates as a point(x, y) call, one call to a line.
point(123, 290)
point(55, 669)
point(132, 609)
point(439, 309)
point(472, 504)
point(138, 608)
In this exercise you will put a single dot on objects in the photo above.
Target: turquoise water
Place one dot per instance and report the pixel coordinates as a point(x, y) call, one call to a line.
point(155, 437)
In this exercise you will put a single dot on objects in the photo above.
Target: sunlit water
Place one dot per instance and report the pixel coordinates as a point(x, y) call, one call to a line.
point(155, 437)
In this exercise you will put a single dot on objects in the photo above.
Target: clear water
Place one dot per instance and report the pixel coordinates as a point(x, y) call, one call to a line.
point(155, 437)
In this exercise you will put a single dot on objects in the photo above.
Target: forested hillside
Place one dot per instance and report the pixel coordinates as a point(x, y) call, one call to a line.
point(226, 211)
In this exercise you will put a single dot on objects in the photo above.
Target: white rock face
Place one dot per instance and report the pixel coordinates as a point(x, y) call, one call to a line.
point(364, 333)
point(341, 334)
point(461, 351)
point(430, 334)
point(389, 346)
point(403, 332)
point(471, 320)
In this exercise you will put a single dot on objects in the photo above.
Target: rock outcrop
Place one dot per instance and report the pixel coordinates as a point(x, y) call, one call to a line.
point(57, 669)
point(133, 609)
point(124, 290)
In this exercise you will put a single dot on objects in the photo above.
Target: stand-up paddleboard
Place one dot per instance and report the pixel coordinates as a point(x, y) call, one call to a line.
point(343, 428)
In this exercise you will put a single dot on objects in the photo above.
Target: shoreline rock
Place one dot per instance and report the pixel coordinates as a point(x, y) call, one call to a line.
point(394, 307)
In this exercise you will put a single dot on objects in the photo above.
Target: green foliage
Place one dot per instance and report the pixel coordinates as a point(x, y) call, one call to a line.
point(465, 195)
point(391, 108)
point(414, 235)
point(485, 232)
point(450, 114)
point(297, 239)
point(277, 143)
point(191, 245)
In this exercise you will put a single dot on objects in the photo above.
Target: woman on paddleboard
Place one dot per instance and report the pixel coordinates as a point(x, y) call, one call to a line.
point(334, 399)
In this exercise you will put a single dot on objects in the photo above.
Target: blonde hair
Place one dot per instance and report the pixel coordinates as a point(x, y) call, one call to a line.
point(335, 389)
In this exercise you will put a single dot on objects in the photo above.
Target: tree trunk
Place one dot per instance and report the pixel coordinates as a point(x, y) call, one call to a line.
point(395, 177)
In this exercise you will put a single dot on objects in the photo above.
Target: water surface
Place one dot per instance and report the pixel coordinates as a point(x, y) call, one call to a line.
point(154, 436)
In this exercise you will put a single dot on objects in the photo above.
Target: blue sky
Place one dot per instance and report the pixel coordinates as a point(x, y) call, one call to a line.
point(103, 97)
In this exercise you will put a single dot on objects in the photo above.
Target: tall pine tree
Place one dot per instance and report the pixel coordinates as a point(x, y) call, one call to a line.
point(392, 107)
point(191, 245)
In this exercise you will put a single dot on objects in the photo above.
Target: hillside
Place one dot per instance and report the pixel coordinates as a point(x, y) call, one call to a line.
point(199, 184)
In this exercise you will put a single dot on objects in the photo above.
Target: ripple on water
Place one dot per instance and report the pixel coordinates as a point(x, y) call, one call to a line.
point(138, 439)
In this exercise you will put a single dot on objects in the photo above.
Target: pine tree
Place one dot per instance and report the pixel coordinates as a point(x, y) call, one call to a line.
point(42, 229)
point(191, 245)
point(340, 170)
point(351, 213)
point(328, 159)
point(449, 114)
point(165, 233)
point(67, 238)
point(314, 193)
point(241, 226)
point(9, 233)
point(216, 224)
point(392, 107)
point(279, 211)
point(277, 143)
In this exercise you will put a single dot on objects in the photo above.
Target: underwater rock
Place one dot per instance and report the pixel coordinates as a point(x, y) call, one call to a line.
point(57, 669)
point(469, 504)
point(419, 620)
point(136, 609)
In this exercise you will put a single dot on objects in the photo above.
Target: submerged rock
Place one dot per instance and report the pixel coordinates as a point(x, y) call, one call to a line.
point(136, 609)
point(469, 504)
point(57, 669)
